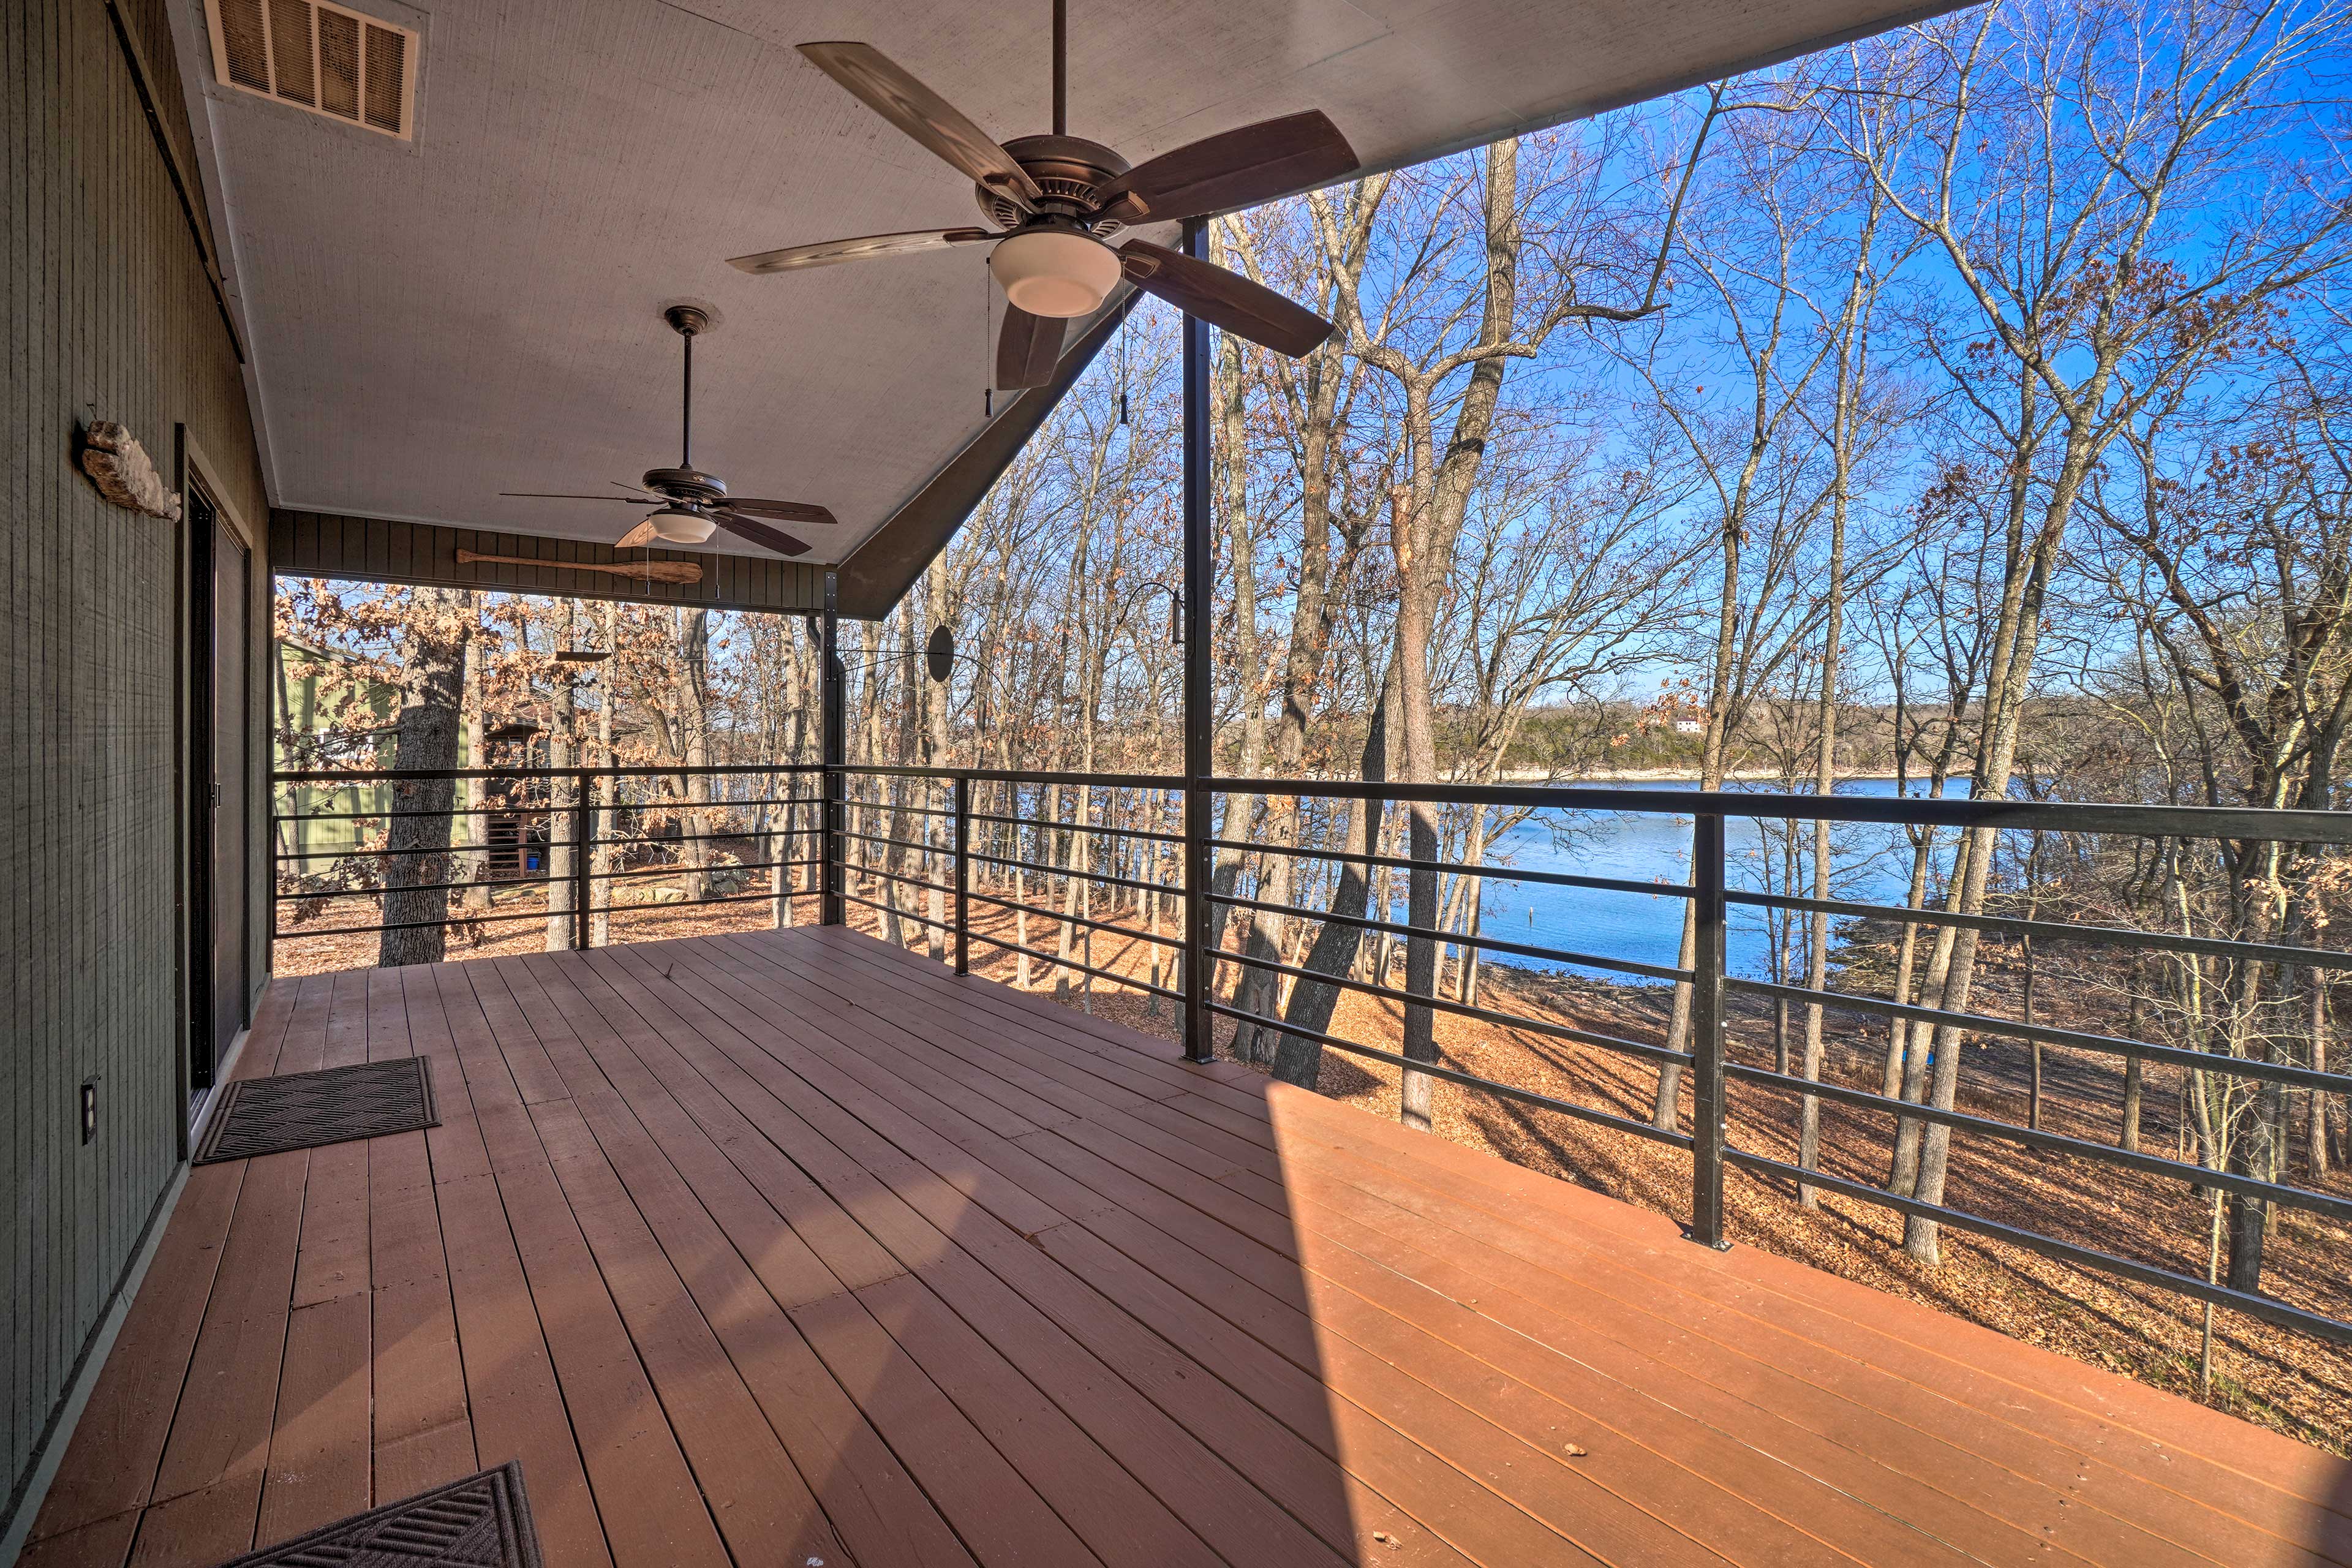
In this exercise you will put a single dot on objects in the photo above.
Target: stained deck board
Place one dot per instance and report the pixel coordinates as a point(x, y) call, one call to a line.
point(794, 1244)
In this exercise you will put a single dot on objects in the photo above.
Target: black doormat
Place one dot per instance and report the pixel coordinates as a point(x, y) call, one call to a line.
point(482, 1521)
point(305, 1110)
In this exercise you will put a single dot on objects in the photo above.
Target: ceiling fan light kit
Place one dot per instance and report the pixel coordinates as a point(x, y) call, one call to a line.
point(680, 525)
point(1054, 270)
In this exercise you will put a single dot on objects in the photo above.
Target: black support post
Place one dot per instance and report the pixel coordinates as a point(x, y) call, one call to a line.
point(1706, 1035)
point(835, 744)
point(1200, 569)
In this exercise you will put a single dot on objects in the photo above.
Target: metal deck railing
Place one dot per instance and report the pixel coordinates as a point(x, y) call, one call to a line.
point(926, 849)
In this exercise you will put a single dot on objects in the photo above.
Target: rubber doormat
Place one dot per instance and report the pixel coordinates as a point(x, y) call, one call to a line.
point(305, 1110)
point(482, 1521)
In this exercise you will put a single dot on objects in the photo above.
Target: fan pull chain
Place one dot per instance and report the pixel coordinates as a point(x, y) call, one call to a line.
point(1126, 306)
point(987, 392)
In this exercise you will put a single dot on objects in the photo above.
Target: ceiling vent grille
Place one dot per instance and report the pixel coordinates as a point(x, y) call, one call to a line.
point(319, 56)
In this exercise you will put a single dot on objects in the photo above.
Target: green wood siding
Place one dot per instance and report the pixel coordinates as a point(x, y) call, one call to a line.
point(111, 314)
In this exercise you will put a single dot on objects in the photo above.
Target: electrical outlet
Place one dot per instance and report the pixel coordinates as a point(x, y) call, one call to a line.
point(88, 1109)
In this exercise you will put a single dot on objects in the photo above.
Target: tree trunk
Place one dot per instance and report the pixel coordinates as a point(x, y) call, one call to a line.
point(424, 736)
point(1420, 589)
point(605, 858)
point(472, 830)
point(1298, 1059)
point(694, 712)
point(2318, 1137)
point(563, 793)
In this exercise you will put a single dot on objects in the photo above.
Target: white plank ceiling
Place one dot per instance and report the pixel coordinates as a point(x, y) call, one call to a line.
point(430, 323)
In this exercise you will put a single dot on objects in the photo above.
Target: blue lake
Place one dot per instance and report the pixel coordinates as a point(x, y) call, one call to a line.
point(1871, 864)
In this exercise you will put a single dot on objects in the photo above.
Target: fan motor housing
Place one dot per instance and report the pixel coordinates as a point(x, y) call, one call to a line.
point(1070, 170)
point(685, 484)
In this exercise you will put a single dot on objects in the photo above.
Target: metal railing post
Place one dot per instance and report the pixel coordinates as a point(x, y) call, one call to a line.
point(834, 753)
point(584, 836)
point(1706, 1035)
point(962, 874)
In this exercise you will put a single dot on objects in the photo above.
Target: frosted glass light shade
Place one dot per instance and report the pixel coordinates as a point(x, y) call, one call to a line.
point(675, 525)
point(1055, 272)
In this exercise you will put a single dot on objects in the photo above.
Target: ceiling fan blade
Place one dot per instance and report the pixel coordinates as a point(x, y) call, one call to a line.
point(793, 259)
point(640, 537)
point(784, 510)
point(1225, 299)
point(889, 91)
point(1027, 348)
point(775, 539)
point(1237, 168)
point(557, 495)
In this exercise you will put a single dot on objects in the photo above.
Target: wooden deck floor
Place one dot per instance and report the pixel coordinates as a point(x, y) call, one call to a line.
point(792, 1246)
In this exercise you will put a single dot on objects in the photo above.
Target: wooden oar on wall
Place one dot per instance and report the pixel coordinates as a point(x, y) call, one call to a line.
point(655, 570)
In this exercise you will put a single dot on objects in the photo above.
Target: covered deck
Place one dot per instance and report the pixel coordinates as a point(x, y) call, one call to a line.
point(794, 1247)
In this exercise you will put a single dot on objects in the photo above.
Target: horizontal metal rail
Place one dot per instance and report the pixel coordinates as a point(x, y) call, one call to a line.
point(2056, 931)
point(1105, 878)
point(1050, 827)
point(1075, 919)
point(2261, 825)
point(600, 842)
point(1461, 1009)
point(1114, 977)
point(383, 888)
point(2052, 1143)
point(1016, 775)
point(621, 771)
point(901, 843)
point(386, 816)
point(1452, 868)
point(2075, 1039)
point(604, 840)
point(2267, 1308)
point(1486, 943)
point(876, 871)
point(655, 909)
point(886, 805)
point(298, 935)
point(283, 856)
point(519, 809)
point(718, 871)
point(1467, 1079)
point(502, 883)
point(902, 914)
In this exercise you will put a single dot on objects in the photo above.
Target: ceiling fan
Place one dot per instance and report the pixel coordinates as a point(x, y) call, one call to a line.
point(1055, 198)
point(690, 504)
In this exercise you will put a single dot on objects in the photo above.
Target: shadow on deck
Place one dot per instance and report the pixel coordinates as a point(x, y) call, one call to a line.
point(789, 1247)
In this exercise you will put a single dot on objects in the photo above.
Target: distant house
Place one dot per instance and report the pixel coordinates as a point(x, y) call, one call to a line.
point(1690, 726)
point(358, 735)
point(304, 737)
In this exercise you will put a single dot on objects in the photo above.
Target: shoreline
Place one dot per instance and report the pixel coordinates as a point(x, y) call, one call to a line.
point(1672, 776)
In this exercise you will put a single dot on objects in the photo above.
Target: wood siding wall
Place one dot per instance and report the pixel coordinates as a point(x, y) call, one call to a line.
point(375, 550)
point(109, 314)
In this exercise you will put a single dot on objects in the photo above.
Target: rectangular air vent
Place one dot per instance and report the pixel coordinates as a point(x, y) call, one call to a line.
point(319, 56)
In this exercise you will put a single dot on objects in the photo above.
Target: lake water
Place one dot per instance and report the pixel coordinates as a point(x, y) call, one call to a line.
point(1871, 864)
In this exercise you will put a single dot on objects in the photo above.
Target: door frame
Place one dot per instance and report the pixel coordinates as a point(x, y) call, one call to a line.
point(193, 722)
